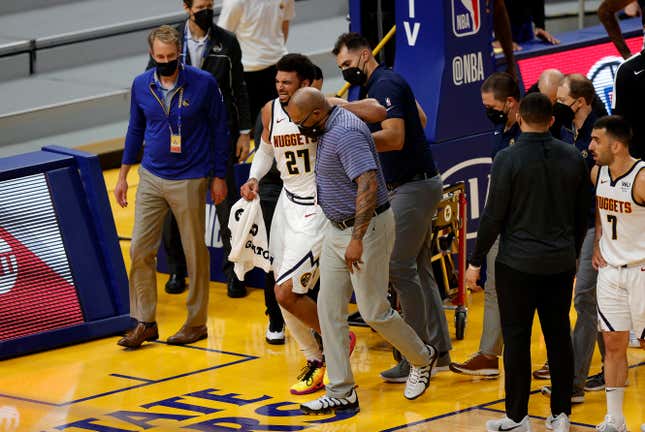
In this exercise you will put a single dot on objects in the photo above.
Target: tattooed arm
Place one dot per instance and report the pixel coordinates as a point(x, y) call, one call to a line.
point(365, 206)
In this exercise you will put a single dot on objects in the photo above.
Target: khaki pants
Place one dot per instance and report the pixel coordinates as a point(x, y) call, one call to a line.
point(370, 285)
point(187, 199)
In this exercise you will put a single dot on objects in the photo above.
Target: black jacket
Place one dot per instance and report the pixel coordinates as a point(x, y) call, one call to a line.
point(224, 62)
point(628, 99)
point(538, 202)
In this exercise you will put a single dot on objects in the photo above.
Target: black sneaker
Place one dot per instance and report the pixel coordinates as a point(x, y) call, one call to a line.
point(327, 404)
point(595, 382)
point(356, 319)
point(176, 284)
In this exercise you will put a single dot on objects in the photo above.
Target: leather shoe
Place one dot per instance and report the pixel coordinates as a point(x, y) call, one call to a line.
point(175, 284)
point(236, 288)
point(138, 335)
point(188, 335)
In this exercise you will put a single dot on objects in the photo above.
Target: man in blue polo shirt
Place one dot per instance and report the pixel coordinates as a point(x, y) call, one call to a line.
point(178, 111)
point(410, 173)
point(356, 249)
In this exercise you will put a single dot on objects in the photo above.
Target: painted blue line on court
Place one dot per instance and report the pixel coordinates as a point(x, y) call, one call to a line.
point(450, 414)
point(144, 384)
point(538, 417)
point(27, 400)
point(131, 377)
point(156, 381)
point(208, 349)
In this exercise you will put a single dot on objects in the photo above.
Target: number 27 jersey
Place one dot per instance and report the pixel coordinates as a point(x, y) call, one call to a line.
point(295, 154)
point(622, 218)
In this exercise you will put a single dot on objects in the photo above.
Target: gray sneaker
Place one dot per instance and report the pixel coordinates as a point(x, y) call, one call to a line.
point(611, 425)
point(577, 397)
point(559, 423)
point(397, 374)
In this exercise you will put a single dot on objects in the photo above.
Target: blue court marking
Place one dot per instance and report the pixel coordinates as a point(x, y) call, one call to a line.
point(209, 350)
point(131, 377)
point(245, 358)
point(484, 406)
point(538, 417)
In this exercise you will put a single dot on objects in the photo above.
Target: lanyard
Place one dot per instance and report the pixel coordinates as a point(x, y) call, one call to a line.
point(167, 111)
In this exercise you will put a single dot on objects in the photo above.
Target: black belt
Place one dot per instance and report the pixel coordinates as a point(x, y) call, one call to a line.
point(347, 223)
point(308, 201)
point(418, 177)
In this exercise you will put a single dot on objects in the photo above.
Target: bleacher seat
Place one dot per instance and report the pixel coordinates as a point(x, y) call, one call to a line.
point(83, 55)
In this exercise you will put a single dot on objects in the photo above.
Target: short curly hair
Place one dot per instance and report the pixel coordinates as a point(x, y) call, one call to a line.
point(298, 63)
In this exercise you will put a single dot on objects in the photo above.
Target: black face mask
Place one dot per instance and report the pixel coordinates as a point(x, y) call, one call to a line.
point(355, 75)
point(497, 117)
point(204, 19)
point(313, 132)
point(563, 114)
point(167, 69)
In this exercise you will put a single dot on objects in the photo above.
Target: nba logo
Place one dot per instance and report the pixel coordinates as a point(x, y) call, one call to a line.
point(466, 17)
point(8, 267)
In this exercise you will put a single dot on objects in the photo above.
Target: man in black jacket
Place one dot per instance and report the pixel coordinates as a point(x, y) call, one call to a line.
point(213, 49)
point(538, 203)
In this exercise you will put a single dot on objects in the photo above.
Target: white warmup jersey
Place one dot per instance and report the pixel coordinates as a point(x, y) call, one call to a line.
point(623, 220)
point(296, 235)
point(295, 154)
point(620, 287)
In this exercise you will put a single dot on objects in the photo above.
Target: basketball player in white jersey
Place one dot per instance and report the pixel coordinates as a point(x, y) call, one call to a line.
point(619, 254)
point(298, 222)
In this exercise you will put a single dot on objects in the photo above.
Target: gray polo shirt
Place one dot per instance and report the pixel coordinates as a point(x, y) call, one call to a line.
point(345, 152)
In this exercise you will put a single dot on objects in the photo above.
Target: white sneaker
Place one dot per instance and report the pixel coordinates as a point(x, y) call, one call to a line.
point(419, 378)
point(327, 404)
point(559, 423)
point(506, 424)
point(275, 337)
point(610, 425)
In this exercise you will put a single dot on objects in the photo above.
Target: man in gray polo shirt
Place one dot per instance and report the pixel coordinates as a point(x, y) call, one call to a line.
point(356, 249)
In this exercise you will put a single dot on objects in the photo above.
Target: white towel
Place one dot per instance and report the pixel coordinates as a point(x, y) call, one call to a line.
point(249, 243)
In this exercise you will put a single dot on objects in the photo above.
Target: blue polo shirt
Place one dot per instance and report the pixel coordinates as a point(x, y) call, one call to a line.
point(581, 139)
point(395, 94)
point(204, 131)
point(345, 152)
point(504, 138)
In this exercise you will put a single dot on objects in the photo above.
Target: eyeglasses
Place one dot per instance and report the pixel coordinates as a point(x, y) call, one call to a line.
point(300, 123)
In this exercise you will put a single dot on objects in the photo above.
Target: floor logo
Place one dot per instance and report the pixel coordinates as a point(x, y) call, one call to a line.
point(8, 267)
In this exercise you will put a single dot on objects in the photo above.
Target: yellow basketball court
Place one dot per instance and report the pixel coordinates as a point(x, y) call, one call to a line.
point(235, 381)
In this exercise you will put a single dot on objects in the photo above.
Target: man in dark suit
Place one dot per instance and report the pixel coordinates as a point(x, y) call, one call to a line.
point(217, 51)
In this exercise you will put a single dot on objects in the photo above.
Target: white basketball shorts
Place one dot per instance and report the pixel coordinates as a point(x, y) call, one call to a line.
point(295, 241)
point(621, 299)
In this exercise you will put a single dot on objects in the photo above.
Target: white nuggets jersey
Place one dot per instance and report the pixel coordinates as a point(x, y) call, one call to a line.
point(623, 220)
point(295, 154)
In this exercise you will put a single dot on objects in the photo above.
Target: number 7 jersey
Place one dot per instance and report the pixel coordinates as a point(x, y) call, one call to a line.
point(622, 218)
point(295, 154)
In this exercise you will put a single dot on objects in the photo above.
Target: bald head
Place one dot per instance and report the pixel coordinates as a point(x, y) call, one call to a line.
point(549, 82)
point(307, 106)
point(308, 99)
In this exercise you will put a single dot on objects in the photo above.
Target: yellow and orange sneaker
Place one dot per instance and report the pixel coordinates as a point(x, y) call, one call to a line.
point(310, 379)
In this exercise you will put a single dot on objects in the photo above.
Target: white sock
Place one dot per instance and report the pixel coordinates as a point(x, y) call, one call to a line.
point(615, 397)
point(303, 336)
